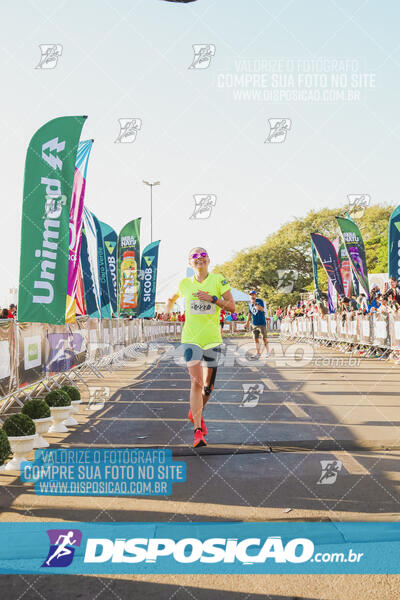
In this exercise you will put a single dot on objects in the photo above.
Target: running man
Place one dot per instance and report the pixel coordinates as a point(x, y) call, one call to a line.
point(205, 295)
point(259, 324)
point(62, 550)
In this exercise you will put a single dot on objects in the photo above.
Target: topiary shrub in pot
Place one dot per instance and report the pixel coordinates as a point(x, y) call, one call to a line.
point(72, 391)
point(5, 449)
point(38, 410)
point(21, 433)
point(75, 396)
point(57, 398)
point(60, 408)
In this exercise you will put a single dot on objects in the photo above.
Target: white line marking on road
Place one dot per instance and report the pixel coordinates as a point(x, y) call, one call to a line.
point(296, 410)
point(269, 383)
point(350, 463)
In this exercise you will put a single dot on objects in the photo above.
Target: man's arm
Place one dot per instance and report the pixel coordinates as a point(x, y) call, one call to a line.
point(227, 302)
point(171, 302)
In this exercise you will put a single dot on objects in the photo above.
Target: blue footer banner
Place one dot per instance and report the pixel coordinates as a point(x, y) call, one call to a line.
point(214, 548)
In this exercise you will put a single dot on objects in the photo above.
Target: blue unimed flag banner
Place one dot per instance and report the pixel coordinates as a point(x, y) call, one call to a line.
point(89, 265)
point(102, 267)
point(148, 272)
point(110, 239)
point(330, 261)
point(394, 244)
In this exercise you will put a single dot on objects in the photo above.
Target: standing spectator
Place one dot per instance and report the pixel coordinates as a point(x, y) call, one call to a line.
point(375, 303)
point(222, 317)
point(353, 302)
point(393, 290)
point(384, 308)
point(259, 325)
point(363, 303)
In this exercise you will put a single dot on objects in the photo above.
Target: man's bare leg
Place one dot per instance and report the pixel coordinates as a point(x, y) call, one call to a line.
point(209, 374)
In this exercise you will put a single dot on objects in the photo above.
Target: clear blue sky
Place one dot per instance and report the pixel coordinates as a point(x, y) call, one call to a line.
point(130, 58)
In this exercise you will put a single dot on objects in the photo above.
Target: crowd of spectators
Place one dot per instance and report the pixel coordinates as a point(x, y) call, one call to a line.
point(172, 316)
point(225, 317)
point(9, 313)
point(378, 302)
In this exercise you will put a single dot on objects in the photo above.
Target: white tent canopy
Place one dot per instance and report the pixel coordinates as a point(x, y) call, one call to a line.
point(239, 296)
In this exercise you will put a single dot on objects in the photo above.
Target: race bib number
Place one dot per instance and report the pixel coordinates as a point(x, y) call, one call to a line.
point(200, 307)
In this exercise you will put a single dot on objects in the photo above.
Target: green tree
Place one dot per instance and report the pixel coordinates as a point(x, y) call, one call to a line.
point(289, 248)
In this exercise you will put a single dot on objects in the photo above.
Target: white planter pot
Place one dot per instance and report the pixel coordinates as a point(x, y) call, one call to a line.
point(75, 406)
point(20, 445)
point(42, 426)
point(71, 421)
point(59, 414)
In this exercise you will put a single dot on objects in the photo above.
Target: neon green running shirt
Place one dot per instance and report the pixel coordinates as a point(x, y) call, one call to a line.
point(202, 325)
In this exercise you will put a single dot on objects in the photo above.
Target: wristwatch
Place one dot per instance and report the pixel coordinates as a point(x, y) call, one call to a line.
point(214, 299)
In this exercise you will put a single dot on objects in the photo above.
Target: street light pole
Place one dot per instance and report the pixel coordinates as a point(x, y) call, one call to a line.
point(151, 205)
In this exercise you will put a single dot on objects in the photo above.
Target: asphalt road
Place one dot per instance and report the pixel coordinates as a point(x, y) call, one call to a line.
point(271, 422)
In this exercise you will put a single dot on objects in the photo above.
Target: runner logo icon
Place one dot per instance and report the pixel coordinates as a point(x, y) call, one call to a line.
point(50, 53)
point(128, 129)
point(251, 394)
point(203, 205)
point(62, 547)
point(203, 54)
point(278, 129)
point(330, 471)
point(357, 204)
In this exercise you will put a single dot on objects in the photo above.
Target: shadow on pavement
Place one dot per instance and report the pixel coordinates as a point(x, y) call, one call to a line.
point(79, 586)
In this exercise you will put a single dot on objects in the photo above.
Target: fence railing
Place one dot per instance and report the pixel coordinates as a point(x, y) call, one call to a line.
point(373, 330)
point(37, 354)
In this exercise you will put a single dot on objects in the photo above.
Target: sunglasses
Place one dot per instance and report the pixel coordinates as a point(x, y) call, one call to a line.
point(199, 255)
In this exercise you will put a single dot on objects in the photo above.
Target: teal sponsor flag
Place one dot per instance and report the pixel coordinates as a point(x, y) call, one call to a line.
point(128, 268)
point(355, 250)
point(110, 239)
point(315, 268)
point(48, 181)
point(148, 272)
point(394, 244)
